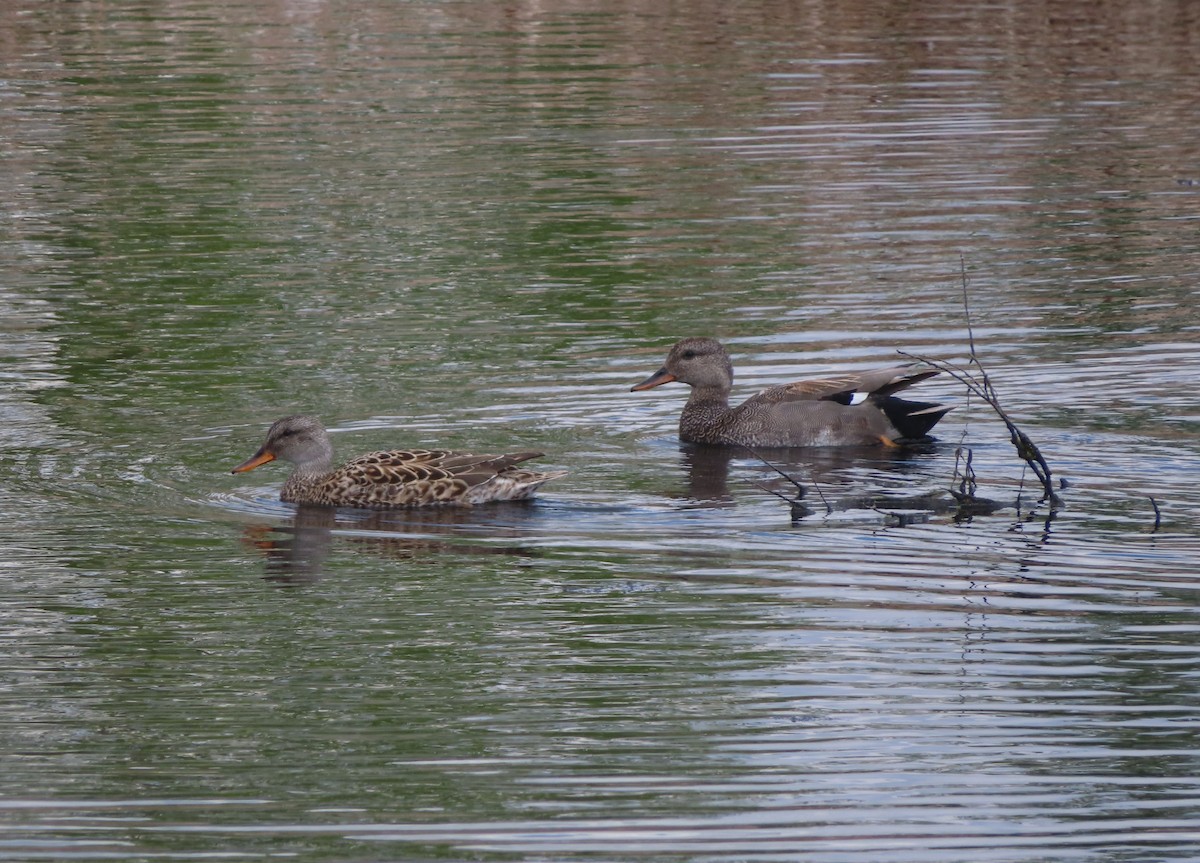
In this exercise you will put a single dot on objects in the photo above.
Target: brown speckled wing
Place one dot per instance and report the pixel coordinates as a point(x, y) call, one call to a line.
point(400, 457)
point(400, 478)
point(450, 463)
point(403, 478)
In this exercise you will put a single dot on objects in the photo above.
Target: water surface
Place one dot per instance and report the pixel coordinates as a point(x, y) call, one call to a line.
point(477, 225)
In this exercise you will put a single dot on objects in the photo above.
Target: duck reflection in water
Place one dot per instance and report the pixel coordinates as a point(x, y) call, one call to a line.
point(821, 471)
point(296, 553)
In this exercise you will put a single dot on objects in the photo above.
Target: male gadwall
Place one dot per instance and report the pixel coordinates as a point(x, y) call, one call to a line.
point(390, 480)
point(847, 410)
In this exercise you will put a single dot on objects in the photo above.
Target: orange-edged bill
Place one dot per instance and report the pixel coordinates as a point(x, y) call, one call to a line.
point(662, 376)
point(258, 459)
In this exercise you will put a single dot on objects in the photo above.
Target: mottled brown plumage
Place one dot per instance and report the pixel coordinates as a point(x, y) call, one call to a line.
point(393, 479)
point(847, 410)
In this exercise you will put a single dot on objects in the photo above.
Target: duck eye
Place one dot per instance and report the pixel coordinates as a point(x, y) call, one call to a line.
point(688, 355)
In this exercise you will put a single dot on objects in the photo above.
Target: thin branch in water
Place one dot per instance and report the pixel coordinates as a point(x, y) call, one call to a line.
point(1157, 515)
point(962, 265)
point(777, 493)
point(903, 519)
point(1026, 449)
point(967, 485)
point(799, 510)
point(981, 386)
point(801, 491)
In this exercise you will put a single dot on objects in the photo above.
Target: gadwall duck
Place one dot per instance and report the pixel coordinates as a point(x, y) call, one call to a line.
point(390, 480)
point(847, 410)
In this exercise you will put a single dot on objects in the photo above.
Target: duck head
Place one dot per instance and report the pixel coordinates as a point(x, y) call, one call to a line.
point(301, 440)
point(698, 362)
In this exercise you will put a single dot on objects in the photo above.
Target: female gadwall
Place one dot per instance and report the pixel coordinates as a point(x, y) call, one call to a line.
point(390, 480)
point(848, 410)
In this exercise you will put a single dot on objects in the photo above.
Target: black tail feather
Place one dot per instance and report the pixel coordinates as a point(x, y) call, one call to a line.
point(913, 420)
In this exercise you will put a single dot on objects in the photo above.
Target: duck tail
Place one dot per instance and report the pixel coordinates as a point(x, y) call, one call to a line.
point(913, 420)
point(903, 378)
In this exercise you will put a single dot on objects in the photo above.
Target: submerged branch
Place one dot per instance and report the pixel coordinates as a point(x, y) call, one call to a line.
point(981, 386)
point(799, 508)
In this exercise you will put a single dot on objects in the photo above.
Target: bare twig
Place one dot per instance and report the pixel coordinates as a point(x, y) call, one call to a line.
point(962, 265)
point(980, 384)
point(903, 519)
point(798, 507)
point(967, 485)
point(800, 489)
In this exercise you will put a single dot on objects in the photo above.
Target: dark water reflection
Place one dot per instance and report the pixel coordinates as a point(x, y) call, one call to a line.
point(476, 225)
point(295, 552)
point(799, 479)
